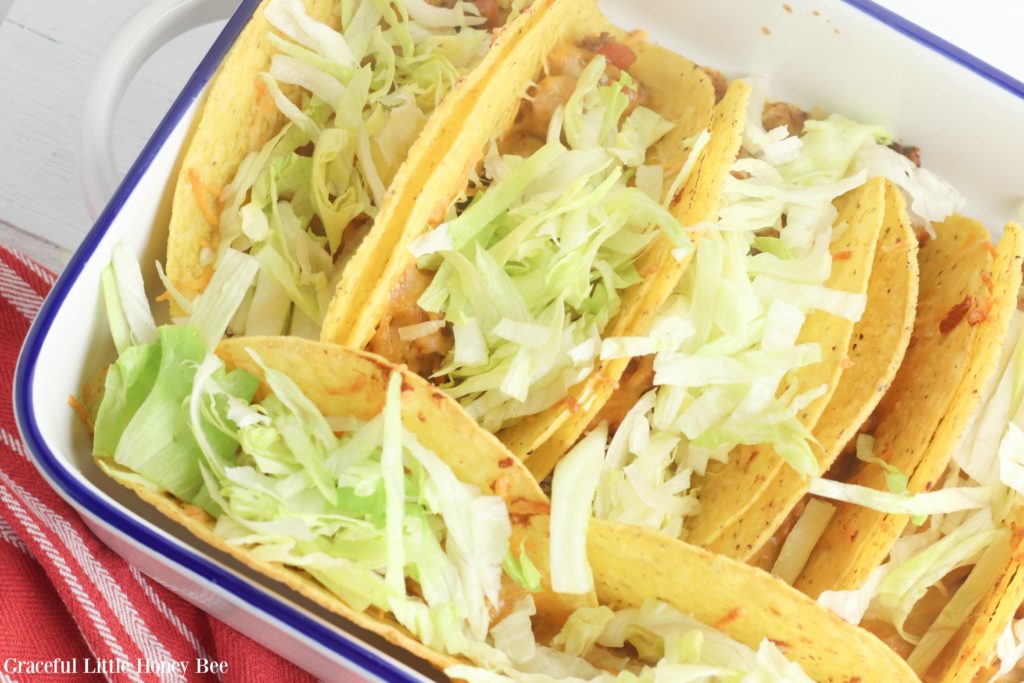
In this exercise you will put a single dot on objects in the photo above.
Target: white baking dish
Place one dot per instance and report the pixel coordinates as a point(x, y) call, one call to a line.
point(851, 57)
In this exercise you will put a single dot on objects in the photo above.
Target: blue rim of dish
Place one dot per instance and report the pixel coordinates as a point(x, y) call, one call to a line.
point(933, 42)
point(206, 570)
point(366, 659)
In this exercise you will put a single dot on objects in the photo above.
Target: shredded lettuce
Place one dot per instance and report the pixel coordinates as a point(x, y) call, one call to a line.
point(797, 547)
point(907, 583)
point(533, 268)
point(956, 612)
point(962, 530)
point(513, 635)
point(966, 522)
point(141, 423)
point(393, 475)
point(1009, 648)
point(582, 629)
point(522, 570)
point(120, 330)
point(851, 605)
point(895, 480)
point(130, 307)
point(987, 450)
point(572, 495)
point(213, 310)
point(696, 146)
point(364, 512)
point(969, 519)
point(776, 146)
point(129, 381)
point(269, 310)
point(932, 198)
point(841, 304)
point(943, 501)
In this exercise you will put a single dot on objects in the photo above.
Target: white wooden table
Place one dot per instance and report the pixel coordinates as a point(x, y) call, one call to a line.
point(47, 48)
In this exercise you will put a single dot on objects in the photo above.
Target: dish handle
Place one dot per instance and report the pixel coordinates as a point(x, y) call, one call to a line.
point(151, 27)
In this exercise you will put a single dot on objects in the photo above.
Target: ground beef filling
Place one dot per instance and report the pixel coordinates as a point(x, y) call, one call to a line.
point(784, 114)
point(424, 355)
point(718, 82)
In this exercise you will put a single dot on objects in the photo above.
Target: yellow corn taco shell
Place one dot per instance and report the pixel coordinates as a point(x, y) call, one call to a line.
point(680, 92)
point(935, 392)
point(630, 565)
point(238, 117)
point(729, 489)
point(875, 354)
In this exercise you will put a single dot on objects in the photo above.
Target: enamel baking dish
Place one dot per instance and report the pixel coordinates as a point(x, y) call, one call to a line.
point(850, 57)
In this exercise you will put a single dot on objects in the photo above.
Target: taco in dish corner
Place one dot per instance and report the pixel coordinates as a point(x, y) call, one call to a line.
point(570, 228)
point(315, 127)
point(922, 544)
point(369, 492)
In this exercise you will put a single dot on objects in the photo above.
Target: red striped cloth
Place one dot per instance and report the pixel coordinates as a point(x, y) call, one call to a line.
point(69, 598)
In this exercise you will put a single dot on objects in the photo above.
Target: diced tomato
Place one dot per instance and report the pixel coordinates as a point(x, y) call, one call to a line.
point(955, 315)
point(618, 54)
point(490, 10)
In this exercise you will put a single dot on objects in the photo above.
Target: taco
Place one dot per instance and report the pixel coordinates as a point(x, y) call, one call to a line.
point(876, 352)
point(371, 493)
point(319, 122)
point(922, 543)
point(570, 228)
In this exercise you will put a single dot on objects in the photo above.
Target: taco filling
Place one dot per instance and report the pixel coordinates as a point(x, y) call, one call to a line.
point(355, 94)
point(511, 293)
point(720, 366)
